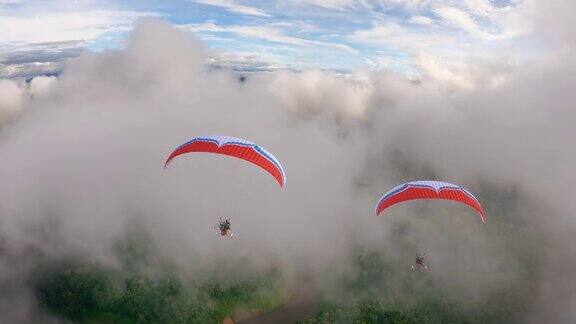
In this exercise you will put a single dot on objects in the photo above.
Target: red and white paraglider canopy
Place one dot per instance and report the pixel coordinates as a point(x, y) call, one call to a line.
point(236, 147)
point(429, 190)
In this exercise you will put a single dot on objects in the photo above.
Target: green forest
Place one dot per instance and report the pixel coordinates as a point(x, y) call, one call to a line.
point(377, 290)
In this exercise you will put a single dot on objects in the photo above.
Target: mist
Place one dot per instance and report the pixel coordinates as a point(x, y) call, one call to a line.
point(81, 159)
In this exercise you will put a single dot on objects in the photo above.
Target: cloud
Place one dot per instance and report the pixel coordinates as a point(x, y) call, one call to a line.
point(479, 7)
point(29, 70)
point(50, 52)
point(328, 4)
point(64, 26)
point(460, 19)
point(51, 37)
point(310, 93)
point(482, 20)
point(40, 86)
point(16, 94)
point(234, 6)
point(85, 159)
point(62, 31)
point(421, 20)
point(267, 33)
point(11, 99)
point(245, 62)
point(396, 36)
point(465, 71)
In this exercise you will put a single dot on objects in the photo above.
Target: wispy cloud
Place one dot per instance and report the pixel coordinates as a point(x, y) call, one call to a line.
point(393, 35)
point(34, 39)
point(327, 4)
point(41, 52)
point(244, 62)
point(233, 6)
point(462, 20)
point(420, 20)
point(65, 26)
point(308, 33)
point(266, 33)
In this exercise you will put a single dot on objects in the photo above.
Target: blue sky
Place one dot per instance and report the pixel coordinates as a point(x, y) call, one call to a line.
point(294, 34)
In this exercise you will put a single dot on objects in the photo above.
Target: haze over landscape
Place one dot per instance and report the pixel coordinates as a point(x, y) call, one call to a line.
point(352, 96)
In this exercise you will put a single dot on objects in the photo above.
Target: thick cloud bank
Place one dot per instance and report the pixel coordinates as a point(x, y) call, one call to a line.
point(81, 158)
point(11, 99)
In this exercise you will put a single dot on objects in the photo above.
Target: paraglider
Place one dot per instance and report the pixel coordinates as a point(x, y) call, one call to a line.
point(419, 262)
point(224, 228)
point(429, 190)
point(235, 147)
